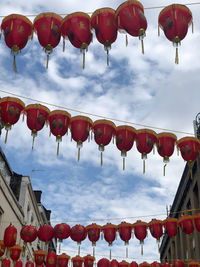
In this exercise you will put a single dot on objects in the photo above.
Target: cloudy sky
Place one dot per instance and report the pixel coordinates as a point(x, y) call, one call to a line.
point(144, 89)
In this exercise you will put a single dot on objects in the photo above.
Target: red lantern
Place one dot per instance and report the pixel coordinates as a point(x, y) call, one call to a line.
point(109, 231)
point(104, 130)
point(29, 264)
point(6, 262)
point(2, 248)
point(62, 231)
point(156, 264)
point(36, 116)
point(77, 28)
point(125, 137)
point(156, 229)
point(78, 234)
point(175, 20)
point(193, 263)
point(196, 219)
point(140, 231)
point(145, 141)
point(133, 264)
point(17, 30)
point(114, 263)
point(124, 264)
point(178, 263)
point(77, 261)
point(47, 26)
point(10, 236)
point(39, 256)
point(63, 260)
point(28, 233)
point(130, 18)
point(45, 233)
point(10, 108)
point(51, 259)
point(170, 225)
point(102, 21)
point(19, 263)
point(80, 129)
point(125, 231)
point(186, 224)
point(59, 122)
point(103, 263)
point(15, 253)
point(165, 146)
point(93, 232)
point(190, 148)
point(88, 261)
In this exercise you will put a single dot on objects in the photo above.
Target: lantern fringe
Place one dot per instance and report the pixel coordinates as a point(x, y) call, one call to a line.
point(158, 30)
point(79, 250)
point(110, 254)
point(47, 64)
point(79, 153)
point(107, 57)
point(14, 64)
point(63, 44)
point(123, 164)
point(6, 137)
point(83, 59)
point(142, 44)
point(176, 57)
point(58, 145)
point(126, 40)
point(126, 252)
point(142, 252)
point(144, 167)
point(101, 158)
point(192, 27)
point(93, 252)
point(164, 167)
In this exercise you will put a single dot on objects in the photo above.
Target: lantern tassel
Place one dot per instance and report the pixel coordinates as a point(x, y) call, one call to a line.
point(6, 137)
point(158, 30)
point(123, 164)
point(126, 252)
point(142, 249)
point(79, 153)
point(93, 251)
point(14, 64)
point(164, 167)
point(126, 40)
point(142, 43)
point(176, 57)
point(83, 59)
point(107, 57)
point(58, 145)
point(59, 248)
point(79, 250)
point(144, 166)
point(110, 254)
point(101, 158)
point(47, 62)
point(192, 27)
point(33, 141)
point(63, 44)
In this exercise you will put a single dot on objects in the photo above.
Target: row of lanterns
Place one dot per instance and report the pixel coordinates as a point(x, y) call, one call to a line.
point(78, 233)
point(104, 130)
point(128, 18)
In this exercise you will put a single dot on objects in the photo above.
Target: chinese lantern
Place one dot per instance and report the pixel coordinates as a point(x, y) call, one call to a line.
point(124, 264)
point(36, 116)
point(104, 130)
point(193, 263)
point(6, 262)
point(103, 263)
point(28, 233)
point(47, 26)
point(156, 229)
point(19, 263)
point(145, 141)
point(129, 18)
point(186, 224)
point(125, 231)
point(109, 231)
point(144, 264)
point(63, 260)
point(62, 231)
point(59, 122)
point(156, 264)
point(196, 219)
point(88, 261)
point(10, 109)
point(165, 146)
point(77, 28)
point(2, 248)
point(51, 259)
point(77, 261)
point(114, 263)
point(133, 264)
point(175, 20)
point(10, 236)
point(29, 264)
point(93, 232)
point(45, 233)
point(125, 137)
point(140, 231)
point(17, 30)
point(178, 263)
point(15, 253)
point(78, 234)
point(190, 148)
point(170, 225)
point(39, 256)
point(102, 21)
point(80, 129)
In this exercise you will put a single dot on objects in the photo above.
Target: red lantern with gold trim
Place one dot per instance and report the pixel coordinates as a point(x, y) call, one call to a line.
point(133, 264)
point(2, 248)
point(39, 256)
point(114, 263)
point(102, 21)
point(129, 18)
point(47, 26)
point(190, 148)
point(80, 130)
point(10, 236)
point(78, 234)
point(125, 137)
point(59, 121)
point(165, 146)
point(88, 261)
point(28, 233)
point(104, 130)
point(51, 259)
point(193, 263)
point(10, 109)
point(178, 263)
point(77, 261)
point(46, 233)
point(63, 260)
point(140, 231)
point(175, 20)
point(62, 231)
point(185, 222)
point(170, 225)
point(77, 28)
point(6, 262)
point(29, 264)
point(125, 231)
point(156, 229)
point(19, 263)
point(93, 232)
point(196, 219)
point(109, 230)
point(36, 117)
point(17, 30)
point(103, 263)
point(145, 141)
point(15, 253)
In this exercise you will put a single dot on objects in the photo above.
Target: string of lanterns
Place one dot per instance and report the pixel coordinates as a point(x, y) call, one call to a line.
point(128, 18)
point(78, 233)
point(104, 130)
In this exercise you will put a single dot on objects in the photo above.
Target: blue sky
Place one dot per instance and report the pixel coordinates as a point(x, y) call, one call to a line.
point(144, 89)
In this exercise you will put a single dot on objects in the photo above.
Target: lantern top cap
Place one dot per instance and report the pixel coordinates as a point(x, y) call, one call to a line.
point(126, 127)
point(124, 263)
point(170, 219)
point(184, 217)
point(89, 257)
point(146, 131)
point(109, 225)
point(104, 122)
point(63, 256)
point(40, 251)
point(196, 215)
point(84, 118)
point(76, 14)
point(93, 225)
point(139, 222)
point(37, 106)
point(155, 221)
point(175, 6)
point(77, 258)
point(187, 138)
point(17, 246)
point(166, 134)
point(124, 224)
point(127, 3)
point(59, 112)
point(17, 16)
point(49, 15)
point(103, 10)
point(12, 99)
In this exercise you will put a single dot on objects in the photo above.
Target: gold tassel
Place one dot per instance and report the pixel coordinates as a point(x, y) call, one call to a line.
point(176, 58)
point(83, 59)
point(192, 27)
point(143, 166)
point(47, 62)
point(110, 254)
point(123, 164)
point(107, 57)
point(79, 153)
point(6, 137)
point(164, 169)
point(11, 27)
point(133, 10)
point(153, 149)
point(51, 24)
point(126, 252)
point(118, 20)
point(126, 40)
point(177, 151)
point(58, 148)
point(97, 19)
point(79, 250)
point(142, 43)
point(93, 251)
point(101, 158)
point(63, 44)
point(158, 30)
point(33, 141)
point(23, 117)
point(142, 249)
point(14, 64)
point(175, 15)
